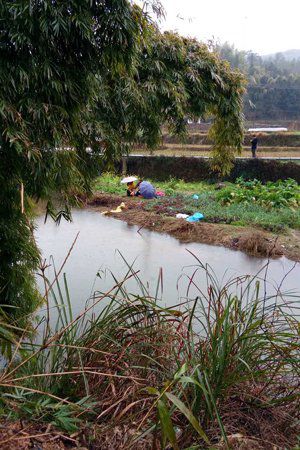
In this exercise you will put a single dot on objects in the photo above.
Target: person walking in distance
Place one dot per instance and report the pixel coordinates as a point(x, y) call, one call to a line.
point(254, 142)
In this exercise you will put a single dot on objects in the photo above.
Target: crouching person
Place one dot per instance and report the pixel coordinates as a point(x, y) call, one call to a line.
point(145, 190)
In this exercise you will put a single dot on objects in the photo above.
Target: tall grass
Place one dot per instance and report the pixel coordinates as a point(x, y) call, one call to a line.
point(242, 349)
point(220, 368)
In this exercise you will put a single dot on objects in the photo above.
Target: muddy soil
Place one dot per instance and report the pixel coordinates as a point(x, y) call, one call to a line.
point(159, 216)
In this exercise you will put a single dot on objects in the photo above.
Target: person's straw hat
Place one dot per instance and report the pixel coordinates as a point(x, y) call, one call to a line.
point(128, 180)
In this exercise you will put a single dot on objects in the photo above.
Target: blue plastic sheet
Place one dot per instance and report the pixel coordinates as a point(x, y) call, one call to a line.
point(195, 217)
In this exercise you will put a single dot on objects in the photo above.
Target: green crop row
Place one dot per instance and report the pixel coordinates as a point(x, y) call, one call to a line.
point(279, 194)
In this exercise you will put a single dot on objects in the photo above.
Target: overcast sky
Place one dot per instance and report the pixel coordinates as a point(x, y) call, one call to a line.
point(263, 26)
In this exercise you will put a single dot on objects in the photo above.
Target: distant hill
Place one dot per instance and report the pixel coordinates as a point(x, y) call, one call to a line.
point(289, 55)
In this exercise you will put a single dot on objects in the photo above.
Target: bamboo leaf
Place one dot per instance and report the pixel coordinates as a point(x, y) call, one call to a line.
point(189, 415)
point(166, 423)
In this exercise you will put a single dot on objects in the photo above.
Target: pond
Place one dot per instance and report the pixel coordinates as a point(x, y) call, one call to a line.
point(105, 243)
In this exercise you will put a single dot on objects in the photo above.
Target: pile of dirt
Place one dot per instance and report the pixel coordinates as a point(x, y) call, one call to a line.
point(106, 200)
point(257, 244)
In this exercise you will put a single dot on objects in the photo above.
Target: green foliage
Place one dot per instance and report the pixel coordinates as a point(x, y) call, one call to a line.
point(249, 214)
point(174, 79)
point(168, 431)
point(51, 53)
point(244, 213)
point(110, 183)
point(282, 193)
point(43, 408)
point(19, 256)
point(176, 186)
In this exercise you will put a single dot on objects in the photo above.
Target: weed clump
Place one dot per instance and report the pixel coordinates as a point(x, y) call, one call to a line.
point(217, 371)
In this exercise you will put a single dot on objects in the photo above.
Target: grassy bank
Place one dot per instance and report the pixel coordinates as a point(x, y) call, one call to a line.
point(273, 207)
point(218, 371)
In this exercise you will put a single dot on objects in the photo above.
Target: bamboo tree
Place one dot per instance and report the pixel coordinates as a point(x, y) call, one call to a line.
point(174, 79)
point(51, 53)
point(97, 74)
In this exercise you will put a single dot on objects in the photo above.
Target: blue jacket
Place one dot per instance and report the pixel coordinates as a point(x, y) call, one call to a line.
point(147, 190)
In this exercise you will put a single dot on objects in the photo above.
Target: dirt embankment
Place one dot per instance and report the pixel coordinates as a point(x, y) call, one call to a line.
point(160, 217)
point(281, 139)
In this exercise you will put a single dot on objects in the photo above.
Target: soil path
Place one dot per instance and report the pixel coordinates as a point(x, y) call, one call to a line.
point(161, 218)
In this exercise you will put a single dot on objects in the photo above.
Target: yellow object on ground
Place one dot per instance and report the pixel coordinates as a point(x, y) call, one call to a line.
point(119, 208)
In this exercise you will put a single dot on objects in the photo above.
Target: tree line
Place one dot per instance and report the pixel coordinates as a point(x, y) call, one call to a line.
point(273, 89)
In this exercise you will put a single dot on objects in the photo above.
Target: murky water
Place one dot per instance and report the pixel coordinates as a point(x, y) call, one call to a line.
point(101, 239)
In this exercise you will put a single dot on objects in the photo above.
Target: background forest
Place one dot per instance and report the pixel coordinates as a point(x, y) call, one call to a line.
point(273, 90)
